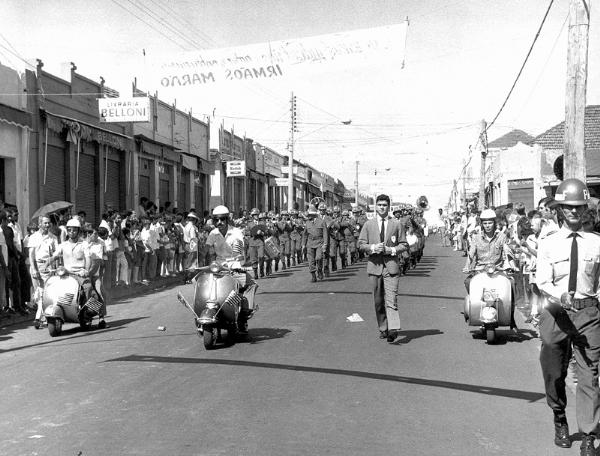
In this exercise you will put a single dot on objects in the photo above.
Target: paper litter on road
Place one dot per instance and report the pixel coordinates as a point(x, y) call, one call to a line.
point(354, 318)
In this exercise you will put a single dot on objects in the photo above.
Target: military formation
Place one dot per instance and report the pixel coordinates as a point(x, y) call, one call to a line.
point(325, 238)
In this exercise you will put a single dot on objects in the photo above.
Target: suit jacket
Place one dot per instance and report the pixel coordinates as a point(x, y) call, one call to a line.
point(395, 236)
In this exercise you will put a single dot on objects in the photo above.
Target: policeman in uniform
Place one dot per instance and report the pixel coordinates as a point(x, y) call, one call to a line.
point(316, 242)
point(568, 272)
point(255, 231)
point(328, 220)
point(296, 237)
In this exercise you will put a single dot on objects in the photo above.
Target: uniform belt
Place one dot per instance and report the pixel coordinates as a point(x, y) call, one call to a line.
point(579, 304)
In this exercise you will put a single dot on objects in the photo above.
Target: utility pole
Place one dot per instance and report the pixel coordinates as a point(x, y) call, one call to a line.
point(291, 156)
point(356, 186)
point(577, 55)
point(483, 141)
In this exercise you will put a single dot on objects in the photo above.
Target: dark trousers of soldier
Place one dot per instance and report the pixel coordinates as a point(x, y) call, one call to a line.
point(284, 248)
point(332, 254)
point(562, 331)
point(257, 258)
point(351, 243)
point(315, 259)
point(296, 251)
point(343, 253)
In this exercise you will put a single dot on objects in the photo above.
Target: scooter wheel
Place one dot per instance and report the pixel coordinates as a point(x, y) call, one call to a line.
point(490, 335)
point(209, 338)
point(55, 327)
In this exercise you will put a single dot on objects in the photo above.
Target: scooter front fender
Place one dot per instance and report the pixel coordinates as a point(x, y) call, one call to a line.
point(54, 311)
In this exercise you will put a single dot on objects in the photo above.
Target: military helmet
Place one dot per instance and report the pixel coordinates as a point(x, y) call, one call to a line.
point(284, 213)
point(322, 206)
point(355, 210)
point(345, 213)
point(74, 223)
point(262, 215)
point(254, 211)
point(397, 211)
point(293, 212)
point(572, 192)
point(487, 214)
point(336, 209)
point(220, 210)
point(270, 214)
point(312, 210)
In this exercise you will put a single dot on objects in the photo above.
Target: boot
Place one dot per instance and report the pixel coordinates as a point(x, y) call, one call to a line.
point(289, 261)
point(262, 269)
point(313, 277)
point(326, 270)
point(255, 273)
point(276, 265)
point(334, 264)
point(294, 260)
point(283, 267)
point(343, 260)
point(269, 268)
point(587, 445)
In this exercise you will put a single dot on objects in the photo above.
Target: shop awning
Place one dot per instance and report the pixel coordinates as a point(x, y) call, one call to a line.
point(14, 116)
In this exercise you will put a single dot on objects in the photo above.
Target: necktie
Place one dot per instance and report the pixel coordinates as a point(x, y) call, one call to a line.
point(574, 261)
point(382, 232)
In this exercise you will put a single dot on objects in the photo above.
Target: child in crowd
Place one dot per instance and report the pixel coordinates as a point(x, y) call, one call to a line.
point(96, 250)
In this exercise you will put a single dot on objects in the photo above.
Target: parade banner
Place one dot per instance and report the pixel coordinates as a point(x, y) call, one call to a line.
point(277, 59)
point(132, 109)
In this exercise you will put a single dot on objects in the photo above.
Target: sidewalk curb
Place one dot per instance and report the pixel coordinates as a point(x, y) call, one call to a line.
point(117, 294)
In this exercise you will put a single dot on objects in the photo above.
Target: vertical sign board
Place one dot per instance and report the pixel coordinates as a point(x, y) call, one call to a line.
point(133, 109)
point(236, 168)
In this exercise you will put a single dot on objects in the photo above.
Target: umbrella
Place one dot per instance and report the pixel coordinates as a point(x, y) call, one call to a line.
point(50, 208)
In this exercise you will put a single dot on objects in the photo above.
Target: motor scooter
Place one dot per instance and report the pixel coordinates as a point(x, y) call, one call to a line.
point(490, 303)
point(63, 301)
point(217, 302)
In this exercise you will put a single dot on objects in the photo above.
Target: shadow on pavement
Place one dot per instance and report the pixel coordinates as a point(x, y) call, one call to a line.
point(74, 332)
point(404, 337)
point(314, 292)
point(456, 298)
point(504, 336)
point(258, 335)
point(487, 390)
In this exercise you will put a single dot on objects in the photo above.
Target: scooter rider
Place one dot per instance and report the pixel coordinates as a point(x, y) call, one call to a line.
point(226, 245)
point(76, 261)
point(568, 271)
point(488, 247)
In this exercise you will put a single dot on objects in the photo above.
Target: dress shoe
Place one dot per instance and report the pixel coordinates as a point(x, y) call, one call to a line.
point(587, 446)
point(561, 435)
point(313, 277)
point(392, 335)
point(383, 334)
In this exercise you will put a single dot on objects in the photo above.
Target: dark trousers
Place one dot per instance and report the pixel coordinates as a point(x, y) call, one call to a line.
point(14, 285)
point(562, 331)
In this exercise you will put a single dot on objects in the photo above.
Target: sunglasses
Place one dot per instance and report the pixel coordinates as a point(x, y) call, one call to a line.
point(220, 219)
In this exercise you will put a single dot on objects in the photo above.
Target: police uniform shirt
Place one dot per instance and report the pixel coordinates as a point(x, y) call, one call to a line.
point(228, 247)
point(553, 264)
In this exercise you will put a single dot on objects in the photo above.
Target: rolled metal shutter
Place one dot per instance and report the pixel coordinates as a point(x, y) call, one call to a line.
point(144, 186)
point(199, 199)
point(87, 193)
point(56, 172)
point(163, 191)
point(114, 184)
point(183, 189)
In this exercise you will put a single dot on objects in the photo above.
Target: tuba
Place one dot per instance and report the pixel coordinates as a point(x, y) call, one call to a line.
point(423, 203)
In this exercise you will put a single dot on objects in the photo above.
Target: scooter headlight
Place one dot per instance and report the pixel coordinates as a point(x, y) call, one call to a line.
point(490, 269)
point(214, 267)
point(61, 271)
point(489, 314)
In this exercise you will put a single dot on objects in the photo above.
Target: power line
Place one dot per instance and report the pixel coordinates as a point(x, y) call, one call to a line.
point(522, 66)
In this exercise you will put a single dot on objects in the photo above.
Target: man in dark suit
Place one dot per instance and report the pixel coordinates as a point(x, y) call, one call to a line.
point(382, 239)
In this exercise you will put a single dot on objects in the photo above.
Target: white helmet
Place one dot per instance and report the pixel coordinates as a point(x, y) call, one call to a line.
point(487, 214)
point(220, 210)
point(74, 222)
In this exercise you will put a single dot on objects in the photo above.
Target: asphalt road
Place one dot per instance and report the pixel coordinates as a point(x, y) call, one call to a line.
point(306, 382)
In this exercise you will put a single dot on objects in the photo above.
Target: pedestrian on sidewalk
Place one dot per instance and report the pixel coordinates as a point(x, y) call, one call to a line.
point(568, 272)
point(382, 238)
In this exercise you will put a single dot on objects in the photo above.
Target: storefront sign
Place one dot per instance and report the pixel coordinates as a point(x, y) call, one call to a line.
point(277, 59)
point(134, 109)
point(299, 171)
point(236, 168)
point(282, 181)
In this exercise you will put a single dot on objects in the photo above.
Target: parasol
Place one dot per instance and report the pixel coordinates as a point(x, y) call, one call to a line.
point(50, 208)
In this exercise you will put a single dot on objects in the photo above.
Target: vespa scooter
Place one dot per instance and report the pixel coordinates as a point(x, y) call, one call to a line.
point(489, 303)
point(63, 301)
point(217, 303)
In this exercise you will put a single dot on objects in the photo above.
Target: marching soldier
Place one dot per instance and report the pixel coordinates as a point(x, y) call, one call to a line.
point(272, 254)
point(328, 221)
point(348, 248)
point(256, 231)
point(296, 237)
point(315, 242)
point(337, 241)
point(284, 228)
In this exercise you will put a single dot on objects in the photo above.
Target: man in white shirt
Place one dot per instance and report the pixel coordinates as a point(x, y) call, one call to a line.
point(149, 238)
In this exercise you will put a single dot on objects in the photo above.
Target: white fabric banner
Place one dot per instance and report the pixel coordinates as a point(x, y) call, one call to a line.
point(279, 59)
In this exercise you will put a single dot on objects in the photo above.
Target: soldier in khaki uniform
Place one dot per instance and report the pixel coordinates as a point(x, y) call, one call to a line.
point(328, 221)
point(337, 241)
point(255, 232)
point(296, 237)
point(316, 242)
point(348, 245)
point(284, 229)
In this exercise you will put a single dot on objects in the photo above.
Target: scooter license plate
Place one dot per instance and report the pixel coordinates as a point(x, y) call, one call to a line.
point(489, 295)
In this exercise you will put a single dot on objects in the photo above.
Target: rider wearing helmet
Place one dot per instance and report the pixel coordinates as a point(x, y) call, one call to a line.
point(488, 246)
point(226, 246)
point(568, 272)
point(76, 261)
